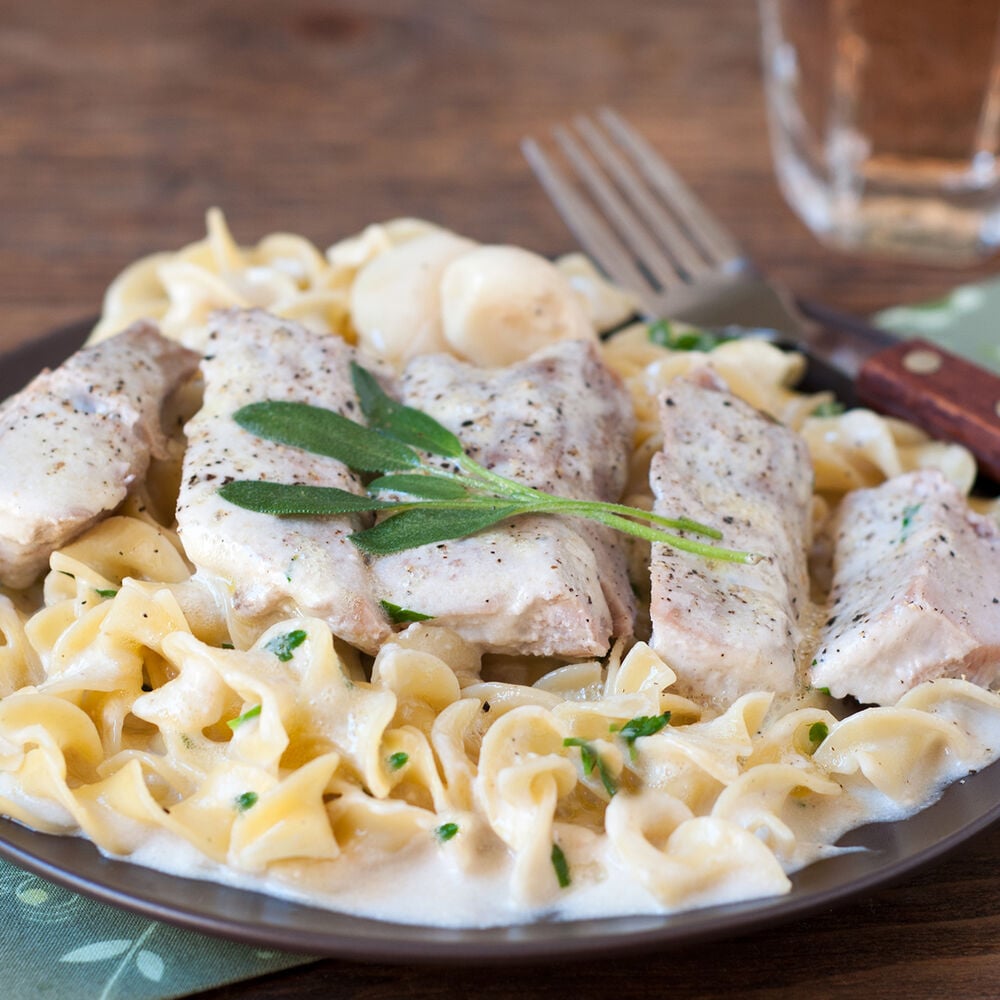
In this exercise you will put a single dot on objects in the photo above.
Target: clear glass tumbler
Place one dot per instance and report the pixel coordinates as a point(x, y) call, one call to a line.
point(885, 119)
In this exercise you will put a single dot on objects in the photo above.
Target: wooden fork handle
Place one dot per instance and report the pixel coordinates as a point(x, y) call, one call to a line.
point(949, 397)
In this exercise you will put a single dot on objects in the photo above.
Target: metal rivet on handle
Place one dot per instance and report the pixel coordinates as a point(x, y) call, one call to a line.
point(922, 362)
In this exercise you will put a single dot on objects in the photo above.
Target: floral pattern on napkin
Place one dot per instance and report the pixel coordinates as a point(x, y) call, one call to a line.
point(56, 943)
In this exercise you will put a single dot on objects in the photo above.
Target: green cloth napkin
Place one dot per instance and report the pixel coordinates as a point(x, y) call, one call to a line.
point(56, 944)
point(966, 321)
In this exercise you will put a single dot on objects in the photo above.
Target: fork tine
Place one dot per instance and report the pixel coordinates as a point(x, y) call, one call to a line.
point(588, 227)
point(628, 225)
point(638, 219)
point(668, 234)
point(697, 219)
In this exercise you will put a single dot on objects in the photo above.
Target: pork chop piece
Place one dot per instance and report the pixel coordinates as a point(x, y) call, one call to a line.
point(916, 592)
point(274, 567)
point(75, 440)
point(560, 421)
point(730, 628)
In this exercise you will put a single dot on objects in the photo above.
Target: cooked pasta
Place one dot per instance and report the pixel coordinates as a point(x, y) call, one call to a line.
point(136, 711)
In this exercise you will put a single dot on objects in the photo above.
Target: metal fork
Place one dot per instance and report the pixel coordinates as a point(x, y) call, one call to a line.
point(650, 233)
point(653, 236)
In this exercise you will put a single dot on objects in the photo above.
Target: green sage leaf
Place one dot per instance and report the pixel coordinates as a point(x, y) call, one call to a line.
point(286, 499)
point(415, 485)
point(419, 526)
point(413, 427)
point(324, 432)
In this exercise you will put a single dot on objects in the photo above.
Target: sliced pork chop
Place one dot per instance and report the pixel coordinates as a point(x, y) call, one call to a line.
point(531, 586)
point(274, 566)
point(916, 592)
point(75, 440)
point(730, 628)
point(559, 421)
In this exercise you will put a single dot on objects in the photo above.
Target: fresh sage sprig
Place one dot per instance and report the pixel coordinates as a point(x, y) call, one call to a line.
point(429, 502)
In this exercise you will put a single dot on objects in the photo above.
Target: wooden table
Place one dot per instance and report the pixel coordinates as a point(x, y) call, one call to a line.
point(123, 121)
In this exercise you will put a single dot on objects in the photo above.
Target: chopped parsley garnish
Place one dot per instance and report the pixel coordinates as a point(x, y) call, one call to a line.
point(105, 593)
point(561, 866)
point(818, 732)
point(446, 831)
point(909, 513)
point(250, 713)
point(284, 646)
point(246, 800)
point(398, 760)
point(664, 334)
point(831, 408)
point(591, 759)
point(226, 645)
point(398, 615)
point(641, 725)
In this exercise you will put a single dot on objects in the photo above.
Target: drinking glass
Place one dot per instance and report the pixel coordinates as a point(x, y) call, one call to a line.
point(884, 118)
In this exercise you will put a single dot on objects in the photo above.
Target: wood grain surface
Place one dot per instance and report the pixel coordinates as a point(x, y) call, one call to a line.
point(121, 121)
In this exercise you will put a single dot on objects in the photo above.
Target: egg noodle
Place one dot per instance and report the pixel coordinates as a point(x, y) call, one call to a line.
point(429, 785)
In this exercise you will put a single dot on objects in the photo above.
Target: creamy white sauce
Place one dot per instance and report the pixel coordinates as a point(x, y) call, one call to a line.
point(453, 885)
